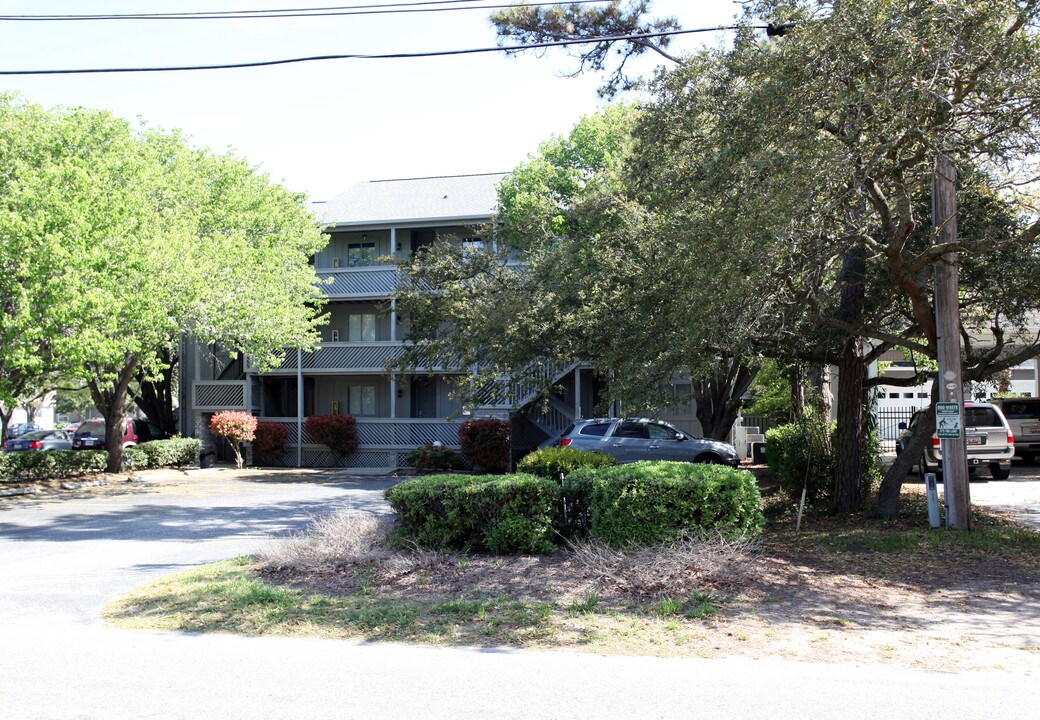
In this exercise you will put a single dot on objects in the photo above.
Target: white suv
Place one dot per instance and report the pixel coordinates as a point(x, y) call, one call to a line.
point(988, 435)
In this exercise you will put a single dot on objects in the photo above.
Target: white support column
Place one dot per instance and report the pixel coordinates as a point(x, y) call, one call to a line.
point(393, 320)
point(299, 408)
point(393, 396)
point(393, 243)
point(577, 393)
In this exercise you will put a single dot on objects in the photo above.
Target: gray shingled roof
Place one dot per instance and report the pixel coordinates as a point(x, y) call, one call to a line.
point(454, 197)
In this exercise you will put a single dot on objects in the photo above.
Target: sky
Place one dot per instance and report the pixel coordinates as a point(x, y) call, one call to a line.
point(320, 127)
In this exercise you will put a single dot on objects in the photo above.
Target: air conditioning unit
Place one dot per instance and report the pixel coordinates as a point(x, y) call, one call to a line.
point(335, 262)
point(335, 336)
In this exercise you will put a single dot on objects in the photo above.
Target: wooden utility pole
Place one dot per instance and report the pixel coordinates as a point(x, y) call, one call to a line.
point(948, 344)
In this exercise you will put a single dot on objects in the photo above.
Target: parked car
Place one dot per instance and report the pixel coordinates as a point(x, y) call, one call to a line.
point(40, 440)
point(20, 429)
point(1023, 415)
point(91, 434)
point(989, 439)
point(635, 439)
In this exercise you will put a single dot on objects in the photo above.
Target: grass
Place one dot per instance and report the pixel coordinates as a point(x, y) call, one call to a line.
point(684, 600)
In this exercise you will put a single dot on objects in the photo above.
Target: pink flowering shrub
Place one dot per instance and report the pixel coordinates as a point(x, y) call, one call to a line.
point(237, 427)
point(269, 440)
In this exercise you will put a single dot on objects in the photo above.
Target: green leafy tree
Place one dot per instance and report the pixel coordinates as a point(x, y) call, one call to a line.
point(123, 239)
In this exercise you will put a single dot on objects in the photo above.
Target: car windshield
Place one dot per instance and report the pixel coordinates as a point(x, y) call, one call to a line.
point(37, 435)
point(95, 429)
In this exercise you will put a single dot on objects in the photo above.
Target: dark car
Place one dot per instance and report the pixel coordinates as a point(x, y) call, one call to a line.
point(91, 434)
point(635, 439)
point(20, 429)
point(1023, 416)
point(40, 440)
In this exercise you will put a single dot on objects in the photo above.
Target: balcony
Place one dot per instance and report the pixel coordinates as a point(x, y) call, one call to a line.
point(359, 283)
point(354, 357)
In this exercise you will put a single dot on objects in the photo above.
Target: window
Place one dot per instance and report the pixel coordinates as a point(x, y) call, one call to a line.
point(661, 432)
point(893, 396)
point(908, 395)
point(472, 245)
point(631, 430)
point(361, 327)
point(361, 254)
point(596, 429)
point(922, 395)
point(362, 400)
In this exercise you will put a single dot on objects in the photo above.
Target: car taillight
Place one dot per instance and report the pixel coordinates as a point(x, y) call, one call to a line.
point(935, 441)
point(1011, 439)
point(565, 442)
point(35, 445)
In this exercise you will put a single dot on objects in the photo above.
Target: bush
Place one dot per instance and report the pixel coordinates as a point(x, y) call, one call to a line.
point(338, 432)
point(800, 454)
point(166, 453)
point(237, 427)
point(486, 444)
point(503, 514)
point(52, 464)
point(646, 503)
point(433, 458)
point(269, 441)
point(553, 461)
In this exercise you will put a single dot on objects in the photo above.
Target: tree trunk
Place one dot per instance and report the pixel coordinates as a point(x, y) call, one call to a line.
point(888, 493)
point(5, 420)
point(155, 396)
point(848, 480)
point(820, 381)
point(110, 401)
point(718, 396)
point(796, 378)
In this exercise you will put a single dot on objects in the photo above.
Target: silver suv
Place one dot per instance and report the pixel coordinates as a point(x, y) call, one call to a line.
point(989, 441)
point(635, 439)
point(1023, 415)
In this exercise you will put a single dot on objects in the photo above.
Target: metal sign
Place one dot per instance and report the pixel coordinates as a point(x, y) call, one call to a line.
point(948, 420)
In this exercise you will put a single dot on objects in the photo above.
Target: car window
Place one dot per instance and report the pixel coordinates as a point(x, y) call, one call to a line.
point(154, 430)
point(1021, 410)
point(95, 429)
point(631, 430)
point(36, 435)
point(661, 432)
point(596, 429)
point(981, 417)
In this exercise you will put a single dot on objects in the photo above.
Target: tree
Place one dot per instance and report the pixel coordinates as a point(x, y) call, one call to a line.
point(236, 427)
point(537, 25)
point(137, 238)
point(597, 285)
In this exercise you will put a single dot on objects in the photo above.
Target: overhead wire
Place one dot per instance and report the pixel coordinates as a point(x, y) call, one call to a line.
point(317, 12)
point(381, 56)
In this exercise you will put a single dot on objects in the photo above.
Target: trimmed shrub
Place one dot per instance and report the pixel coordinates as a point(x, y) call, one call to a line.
point(134, 458)
point(338, 432)
point(171, 453)
point(553, 461)
point(486, 444)
point(800, 454)
point(503, 514)
point(52, 464)
point(653, 502)
point(237, 427)
point(433, 458)
point(269, 441)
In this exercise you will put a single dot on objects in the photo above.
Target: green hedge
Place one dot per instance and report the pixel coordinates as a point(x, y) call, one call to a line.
point(61, 464)
point(646, 503)
point(501, 513)
point(433, 458)
point(551, 462)
point(51, 464)
point(163, 453)
point(800, 454)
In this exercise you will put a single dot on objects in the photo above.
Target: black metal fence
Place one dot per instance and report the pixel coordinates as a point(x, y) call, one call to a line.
point(888, 419)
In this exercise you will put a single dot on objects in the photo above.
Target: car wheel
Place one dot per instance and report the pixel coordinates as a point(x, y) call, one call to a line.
point(999, 473)
point(708, 458)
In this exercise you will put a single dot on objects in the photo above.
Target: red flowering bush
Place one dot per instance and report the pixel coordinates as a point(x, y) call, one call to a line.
point(339, 432)
point(237, 427)
point(269, 440)
point(485, 443)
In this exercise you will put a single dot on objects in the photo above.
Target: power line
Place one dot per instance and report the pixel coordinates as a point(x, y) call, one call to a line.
point(386, 56)
point(335, 11)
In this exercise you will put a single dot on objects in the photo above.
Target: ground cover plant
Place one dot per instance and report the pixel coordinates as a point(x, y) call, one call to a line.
point(851, 589)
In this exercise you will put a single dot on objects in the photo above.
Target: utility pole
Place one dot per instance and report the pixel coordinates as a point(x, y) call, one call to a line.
point(948, 344)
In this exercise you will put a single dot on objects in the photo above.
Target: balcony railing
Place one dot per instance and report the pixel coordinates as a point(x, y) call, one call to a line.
point(219, 395)
point(358, 357)
point(387, 433)
point(359, 283)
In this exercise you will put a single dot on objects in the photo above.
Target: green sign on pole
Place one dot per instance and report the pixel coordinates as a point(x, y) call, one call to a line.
point(948, 420)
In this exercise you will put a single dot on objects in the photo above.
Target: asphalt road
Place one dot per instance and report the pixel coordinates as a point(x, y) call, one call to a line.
point(60, 562)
